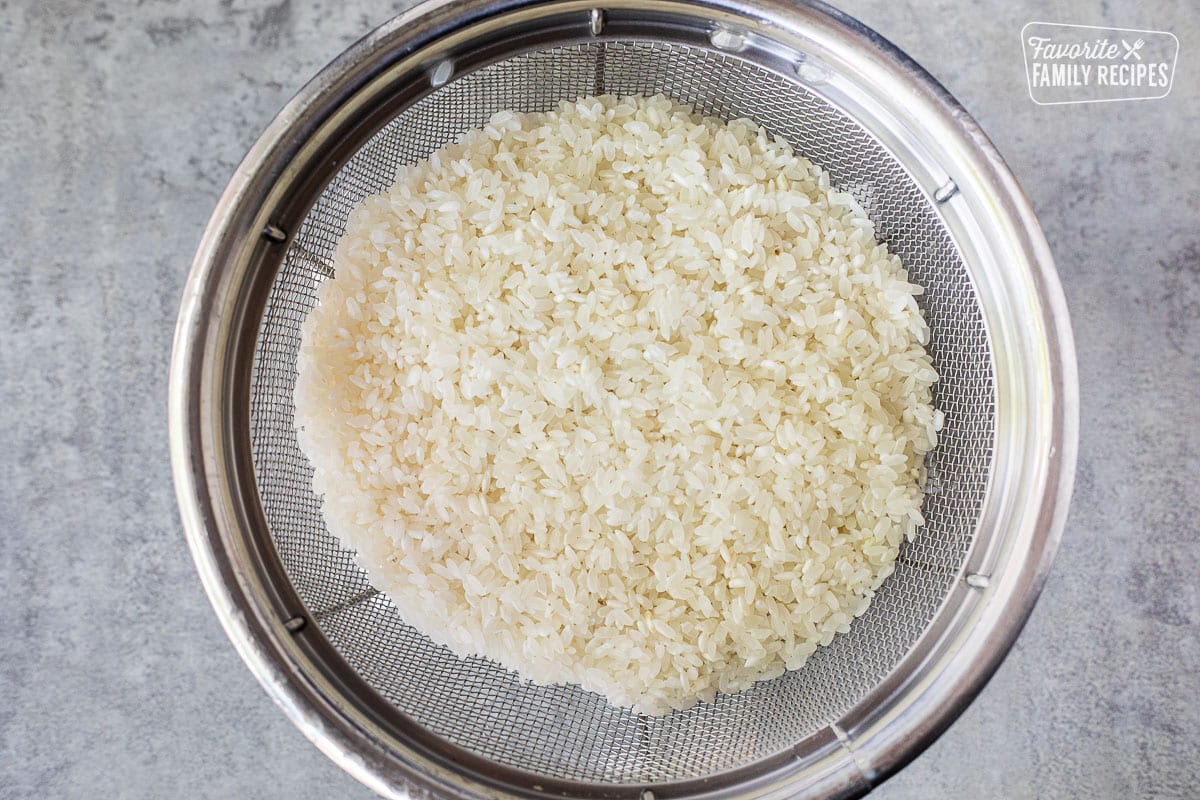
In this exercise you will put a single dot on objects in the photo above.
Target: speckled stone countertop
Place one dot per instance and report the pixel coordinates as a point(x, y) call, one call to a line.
point(119, 125)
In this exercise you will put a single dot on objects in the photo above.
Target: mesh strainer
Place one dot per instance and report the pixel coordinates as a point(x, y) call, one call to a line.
point(408, 717)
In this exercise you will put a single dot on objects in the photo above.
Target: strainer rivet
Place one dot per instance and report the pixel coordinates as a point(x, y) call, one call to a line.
point(295, 624)
point(441, 72)
point(275, 233)
point(596, 21)
point(811, 72)
point(977, 581)
point(727, 39)
point(945, 192)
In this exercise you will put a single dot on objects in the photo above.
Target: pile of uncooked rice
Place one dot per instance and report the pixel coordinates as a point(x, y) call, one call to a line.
point(619, 396)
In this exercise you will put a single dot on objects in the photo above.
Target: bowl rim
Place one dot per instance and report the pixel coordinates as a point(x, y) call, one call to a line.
point(954, 657)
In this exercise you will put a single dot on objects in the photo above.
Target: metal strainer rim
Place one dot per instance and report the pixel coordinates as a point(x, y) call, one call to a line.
point(902, 715)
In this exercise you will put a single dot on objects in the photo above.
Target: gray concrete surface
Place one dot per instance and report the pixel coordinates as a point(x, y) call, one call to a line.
point(119, 125)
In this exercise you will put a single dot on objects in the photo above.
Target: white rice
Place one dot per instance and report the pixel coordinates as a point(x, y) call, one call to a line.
point(619, 396)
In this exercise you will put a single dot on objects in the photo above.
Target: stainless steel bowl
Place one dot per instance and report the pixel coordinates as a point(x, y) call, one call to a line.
point(407, 717)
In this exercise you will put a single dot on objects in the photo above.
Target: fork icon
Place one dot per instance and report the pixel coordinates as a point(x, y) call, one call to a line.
point(1132, 49)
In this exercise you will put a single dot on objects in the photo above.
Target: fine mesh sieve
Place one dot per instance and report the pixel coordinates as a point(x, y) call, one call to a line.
point(406, 715)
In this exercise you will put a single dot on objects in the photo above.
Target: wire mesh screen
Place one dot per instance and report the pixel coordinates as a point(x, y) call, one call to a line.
point(561, 731)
